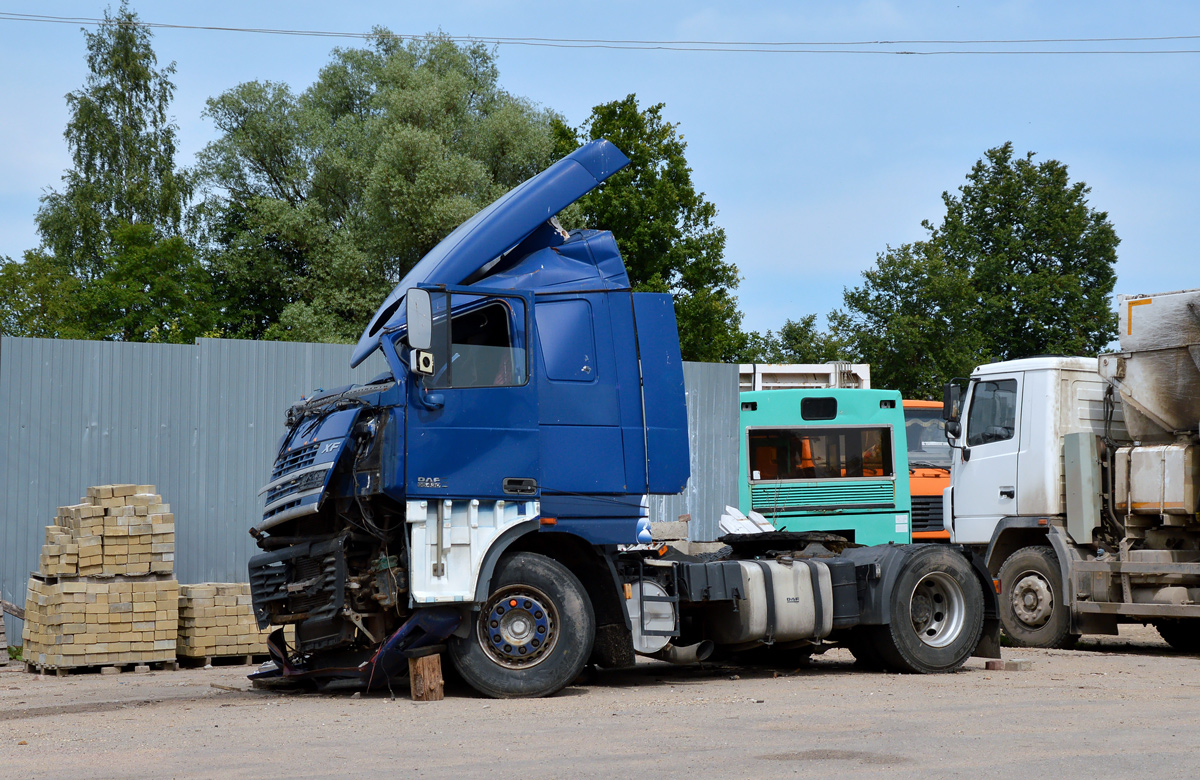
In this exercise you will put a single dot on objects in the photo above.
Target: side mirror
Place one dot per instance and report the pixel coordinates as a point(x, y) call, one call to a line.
point(952, 394)
point(420, 318)
point(953, 428)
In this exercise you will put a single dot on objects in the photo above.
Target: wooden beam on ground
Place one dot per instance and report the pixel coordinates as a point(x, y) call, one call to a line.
point(425, 678)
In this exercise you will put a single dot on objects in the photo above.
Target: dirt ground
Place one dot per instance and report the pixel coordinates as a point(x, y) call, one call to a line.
point(1123, 706)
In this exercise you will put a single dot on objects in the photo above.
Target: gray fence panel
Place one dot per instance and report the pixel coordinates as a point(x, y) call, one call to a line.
point(712, 410)
point(244, 389)
point(199, 422)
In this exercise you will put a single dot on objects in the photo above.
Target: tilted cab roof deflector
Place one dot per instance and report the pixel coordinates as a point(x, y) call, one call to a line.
point(498, 228)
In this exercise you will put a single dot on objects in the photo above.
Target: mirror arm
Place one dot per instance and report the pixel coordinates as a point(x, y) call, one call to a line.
point(431, 401)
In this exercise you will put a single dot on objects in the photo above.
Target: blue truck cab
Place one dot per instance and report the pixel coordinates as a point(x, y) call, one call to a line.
point(486, 497)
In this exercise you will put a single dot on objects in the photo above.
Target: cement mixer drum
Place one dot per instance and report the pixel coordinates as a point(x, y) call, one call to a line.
point(1157, 370)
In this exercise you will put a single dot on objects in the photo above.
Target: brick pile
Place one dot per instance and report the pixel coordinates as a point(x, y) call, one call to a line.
point(114, 530)
point(217, 619)
point(104, 593)
point(96, 623)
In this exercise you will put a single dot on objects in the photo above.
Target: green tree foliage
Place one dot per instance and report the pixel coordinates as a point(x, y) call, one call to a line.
point(1020, 265)
point(39, 298)
point(122, 145)
point(665, 228)
point(146, 291)
point(912, 320)
point(320, 202)
point(1040, 258)
point(798, 341)
point(113, 264)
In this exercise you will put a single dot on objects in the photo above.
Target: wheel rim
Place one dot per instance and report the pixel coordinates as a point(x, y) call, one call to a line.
point(518, 627)
point(1032, 599)
point(938, 609)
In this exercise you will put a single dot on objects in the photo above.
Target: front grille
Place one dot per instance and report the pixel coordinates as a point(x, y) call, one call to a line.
point(281, 508)
point(316, 572)
point(822, 495)
point(296, 459)
point(302, 483)
point(927, 513)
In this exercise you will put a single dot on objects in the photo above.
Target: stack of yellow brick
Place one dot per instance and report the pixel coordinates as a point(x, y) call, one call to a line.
point(90, 623)
point(103, 595)
point(60, 553)
point(217, 619)
point(116, 530)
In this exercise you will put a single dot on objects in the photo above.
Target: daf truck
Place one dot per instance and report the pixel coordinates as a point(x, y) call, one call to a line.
point(485, 497)
point(1076, 478)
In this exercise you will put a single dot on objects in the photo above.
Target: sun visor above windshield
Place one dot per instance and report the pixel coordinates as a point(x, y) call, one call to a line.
point(498, 228)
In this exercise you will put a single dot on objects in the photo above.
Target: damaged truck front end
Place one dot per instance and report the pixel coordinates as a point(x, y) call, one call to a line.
point(334, 560)
point(390, 503)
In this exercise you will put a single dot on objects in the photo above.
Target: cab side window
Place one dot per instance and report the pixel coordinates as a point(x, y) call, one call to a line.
point(484, 347)
point(993, 413)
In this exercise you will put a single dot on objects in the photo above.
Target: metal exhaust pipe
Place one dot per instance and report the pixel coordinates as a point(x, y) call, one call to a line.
point(692, 654)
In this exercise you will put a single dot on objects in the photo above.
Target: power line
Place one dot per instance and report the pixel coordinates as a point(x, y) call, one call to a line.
point(745, 47)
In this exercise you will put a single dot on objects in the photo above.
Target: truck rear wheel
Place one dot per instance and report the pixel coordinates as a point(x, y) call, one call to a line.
point(937, 614)
point(533, 634)
point(1183, 635)
point(1033, 611)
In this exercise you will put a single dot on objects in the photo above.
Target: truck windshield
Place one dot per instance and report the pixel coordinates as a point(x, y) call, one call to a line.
point(993, 414)
point(926, 433)
point(820, 453)
point(484, 345)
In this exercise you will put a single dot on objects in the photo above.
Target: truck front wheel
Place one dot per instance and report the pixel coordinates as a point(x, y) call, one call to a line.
point(936, 614)
point(1033, 611)
point(533, 634)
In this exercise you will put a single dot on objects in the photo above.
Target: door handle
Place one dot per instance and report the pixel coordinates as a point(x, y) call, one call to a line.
point(520, 486)
point(1008, 492)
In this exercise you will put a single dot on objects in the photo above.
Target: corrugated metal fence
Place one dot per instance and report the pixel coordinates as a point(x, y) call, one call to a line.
point(712, 411)
point(201, 422)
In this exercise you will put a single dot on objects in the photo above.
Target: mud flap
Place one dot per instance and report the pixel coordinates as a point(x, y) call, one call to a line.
point(989, 640)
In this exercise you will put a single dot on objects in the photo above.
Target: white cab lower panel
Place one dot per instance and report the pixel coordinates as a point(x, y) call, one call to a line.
point(449, 541)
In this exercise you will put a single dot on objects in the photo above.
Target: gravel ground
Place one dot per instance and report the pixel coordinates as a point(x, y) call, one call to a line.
point(1116, 707)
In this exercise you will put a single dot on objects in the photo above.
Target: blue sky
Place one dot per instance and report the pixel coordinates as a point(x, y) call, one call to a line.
point(816, 162)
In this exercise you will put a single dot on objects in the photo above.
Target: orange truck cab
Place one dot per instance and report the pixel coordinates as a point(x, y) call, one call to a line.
point(928, 467)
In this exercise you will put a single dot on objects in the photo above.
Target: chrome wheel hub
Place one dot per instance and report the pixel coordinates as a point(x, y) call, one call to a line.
point(518, 627)
point(938, 609)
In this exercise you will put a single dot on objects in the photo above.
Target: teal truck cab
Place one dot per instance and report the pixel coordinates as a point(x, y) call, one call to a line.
point(831, 460)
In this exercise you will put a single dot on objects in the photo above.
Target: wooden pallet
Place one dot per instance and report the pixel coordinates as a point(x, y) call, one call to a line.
point(14, 610)
point(141, 667)
point(243, 659)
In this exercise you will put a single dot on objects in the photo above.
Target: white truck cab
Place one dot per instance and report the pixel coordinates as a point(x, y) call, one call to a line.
point(1008, 460)
point(1079, 478)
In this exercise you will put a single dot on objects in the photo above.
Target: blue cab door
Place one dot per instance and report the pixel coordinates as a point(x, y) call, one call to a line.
point(472, 426)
